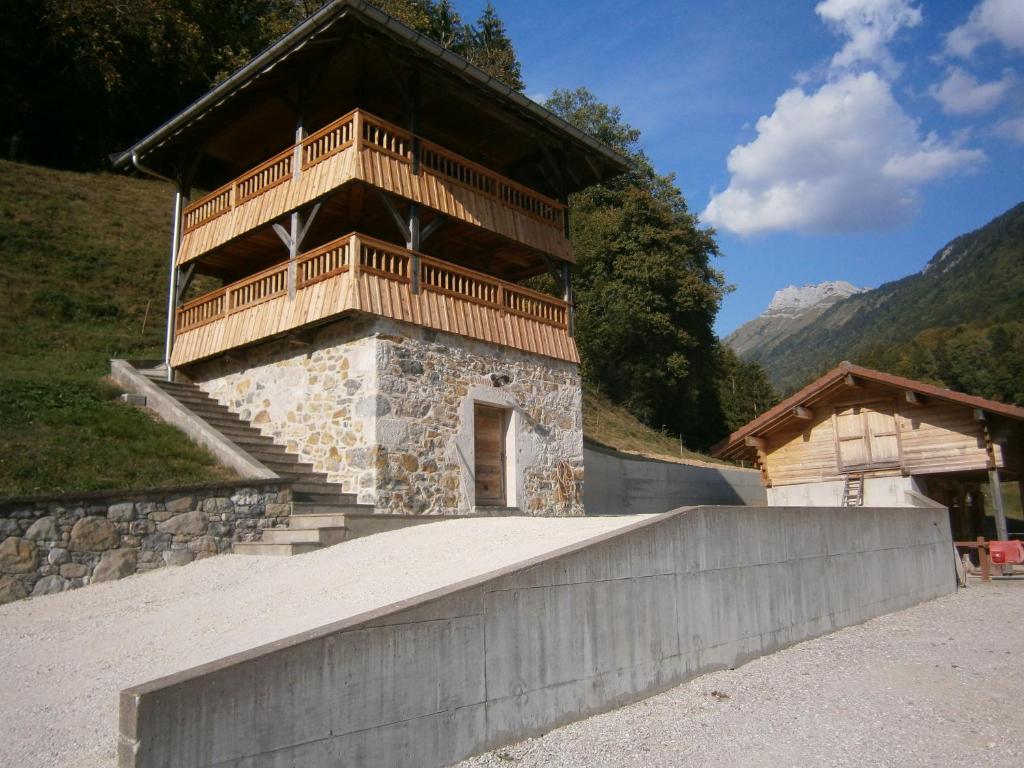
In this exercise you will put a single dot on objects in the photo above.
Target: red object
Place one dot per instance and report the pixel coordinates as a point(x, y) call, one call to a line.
point(1006, 551)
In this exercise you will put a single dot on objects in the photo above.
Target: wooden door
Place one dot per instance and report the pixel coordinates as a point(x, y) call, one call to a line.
point(489, 449)
point(850, 437)
point(883, 437)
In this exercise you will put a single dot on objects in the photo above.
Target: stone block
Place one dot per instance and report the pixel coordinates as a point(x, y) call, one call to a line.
point(94, 534)
point(204, 546)
point(178, 557)
point(18, 556)
point(74, 570)
point(178, 504)
point(9, 527)
point(50, 585)
point(142, 527)
point(115, 564)
point(121, 513)
point(57, 556)
point(11, 589)
point(157, 542)
point(43, 529)
point(187, 524)
point(217, 505)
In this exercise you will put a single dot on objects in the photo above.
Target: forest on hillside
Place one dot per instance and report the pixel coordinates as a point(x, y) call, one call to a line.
point(647, 289)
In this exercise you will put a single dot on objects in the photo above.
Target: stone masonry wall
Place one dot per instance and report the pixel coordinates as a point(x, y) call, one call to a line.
point(52, 545)
point(386, 409)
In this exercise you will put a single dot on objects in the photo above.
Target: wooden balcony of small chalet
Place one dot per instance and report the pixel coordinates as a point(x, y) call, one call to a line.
point(362, 148)
point(358, 273)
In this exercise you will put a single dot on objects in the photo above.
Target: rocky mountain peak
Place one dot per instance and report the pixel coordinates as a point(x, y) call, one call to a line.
point(795, 300)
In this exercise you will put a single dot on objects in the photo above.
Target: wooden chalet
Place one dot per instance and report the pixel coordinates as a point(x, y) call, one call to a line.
point(356, 210)
point(859, 436)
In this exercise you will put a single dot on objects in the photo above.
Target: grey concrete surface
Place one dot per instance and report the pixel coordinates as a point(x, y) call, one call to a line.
point(542, 643)
point(933, 685)
point(622, 484)
point(197, 430)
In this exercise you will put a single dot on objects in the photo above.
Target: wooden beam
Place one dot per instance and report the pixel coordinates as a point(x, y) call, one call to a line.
point(755, 442)
point(913, 398)
point(851, 381)
point(400, 222)
point(432, 227)
point(803, 413)
point(995, 485)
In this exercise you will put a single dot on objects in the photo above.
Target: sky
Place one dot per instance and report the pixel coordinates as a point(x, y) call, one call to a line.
point(833, 140)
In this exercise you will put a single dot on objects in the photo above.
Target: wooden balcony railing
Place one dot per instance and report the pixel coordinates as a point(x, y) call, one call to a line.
point(376, 257)
point(364, 131)
point(505, 313)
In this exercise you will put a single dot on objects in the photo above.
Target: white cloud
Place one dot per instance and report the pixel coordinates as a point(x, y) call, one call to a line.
point(843, 158)
point(1012, 128)
point(961, 93)
point(869, 25)
point(999, 21)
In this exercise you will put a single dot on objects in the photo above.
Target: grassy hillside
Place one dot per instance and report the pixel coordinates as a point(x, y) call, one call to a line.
point(610, 426)
point(976, 279)
point(83, 279)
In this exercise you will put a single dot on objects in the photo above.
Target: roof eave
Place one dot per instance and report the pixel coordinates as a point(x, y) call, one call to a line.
point(307, 29)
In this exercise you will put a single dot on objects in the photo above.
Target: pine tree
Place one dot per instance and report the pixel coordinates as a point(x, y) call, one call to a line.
point(489, 47)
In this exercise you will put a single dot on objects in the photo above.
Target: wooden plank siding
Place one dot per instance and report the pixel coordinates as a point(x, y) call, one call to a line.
point(383, 159)
point(886, 436)
point(378, 284)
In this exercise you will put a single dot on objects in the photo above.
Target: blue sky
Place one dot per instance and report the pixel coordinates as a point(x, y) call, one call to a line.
point(843, 139)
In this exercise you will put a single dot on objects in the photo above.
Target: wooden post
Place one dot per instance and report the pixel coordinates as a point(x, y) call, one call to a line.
point(413, 244)
point(997, 503)
point(570, 320)
point(296, 220)
point(180, 200)
point(986, 568)
point(355, 256)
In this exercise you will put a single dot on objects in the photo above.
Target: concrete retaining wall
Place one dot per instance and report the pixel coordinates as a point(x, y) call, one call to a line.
point(542, 643)
point(621, 484)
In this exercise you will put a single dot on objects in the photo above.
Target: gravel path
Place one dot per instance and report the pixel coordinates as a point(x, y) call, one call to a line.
point(940, 684)
point(66, 656)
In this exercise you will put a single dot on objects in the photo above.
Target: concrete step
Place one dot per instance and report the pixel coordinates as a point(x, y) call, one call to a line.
point(303, 508)
point(315, 521)
point(331, 490)
point(324, 537)
point(272, 550)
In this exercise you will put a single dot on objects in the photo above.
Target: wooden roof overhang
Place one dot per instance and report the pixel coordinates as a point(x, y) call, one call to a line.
point(742, 444)
point(350, 54)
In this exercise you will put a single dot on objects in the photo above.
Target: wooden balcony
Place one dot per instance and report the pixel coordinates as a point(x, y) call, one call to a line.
point(358, 273)
point(361, 147)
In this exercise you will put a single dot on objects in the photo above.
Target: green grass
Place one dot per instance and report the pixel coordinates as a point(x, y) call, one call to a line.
point(82, 279)
point(83, 276)
point(609, 425)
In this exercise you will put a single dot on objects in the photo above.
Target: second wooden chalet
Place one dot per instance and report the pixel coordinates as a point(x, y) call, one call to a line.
point(356, 210)
point(858, 436)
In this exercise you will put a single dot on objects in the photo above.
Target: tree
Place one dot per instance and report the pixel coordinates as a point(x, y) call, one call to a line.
point(646, 291)
point(744, 390)
point(488, 46)
point(82, 78)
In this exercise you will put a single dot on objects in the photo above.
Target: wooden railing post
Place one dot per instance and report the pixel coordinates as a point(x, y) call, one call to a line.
point(355, 255)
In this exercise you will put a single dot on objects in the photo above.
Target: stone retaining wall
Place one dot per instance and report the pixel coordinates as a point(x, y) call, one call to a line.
point(58, 543)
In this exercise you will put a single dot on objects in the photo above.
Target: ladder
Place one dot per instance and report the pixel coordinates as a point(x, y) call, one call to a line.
point(853, 491)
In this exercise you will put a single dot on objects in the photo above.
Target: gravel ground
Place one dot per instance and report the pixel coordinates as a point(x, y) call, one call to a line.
point(939, 684)
point(66, 656)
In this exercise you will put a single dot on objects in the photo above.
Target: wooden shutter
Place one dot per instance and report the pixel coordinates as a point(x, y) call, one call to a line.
point(851, 445)
point(883, 437)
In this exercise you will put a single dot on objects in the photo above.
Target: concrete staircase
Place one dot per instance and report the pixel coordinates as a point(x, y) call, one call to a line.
point(321, 514)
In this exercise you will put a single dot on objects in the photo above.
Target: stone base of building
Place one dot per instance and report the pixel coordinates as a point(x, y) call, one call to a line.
point(387, 410)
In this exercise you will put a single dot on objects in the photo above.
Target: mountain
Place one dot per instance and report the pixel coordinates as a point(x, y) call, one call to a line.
point(976, 279)
point(791, 310)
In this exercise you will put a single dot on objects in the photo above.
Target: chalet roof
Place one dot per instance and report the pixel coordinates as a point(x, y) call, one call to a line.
point(782, 413)
point(321, 35)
